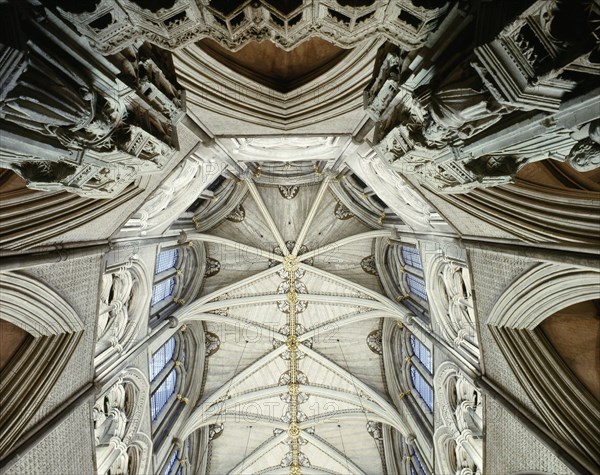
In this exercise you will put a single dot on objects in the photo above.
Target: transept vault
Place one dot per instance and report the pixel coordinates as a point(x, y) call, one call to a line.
point(301, 237)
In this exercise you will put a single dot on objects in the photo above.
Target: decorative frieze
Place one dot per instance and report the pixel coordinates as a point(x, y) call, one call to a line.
point(112, 26)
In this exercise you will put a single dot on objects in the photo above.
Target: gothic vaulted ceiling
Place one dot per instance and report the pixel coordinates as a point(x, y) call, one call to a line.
point(293, 307)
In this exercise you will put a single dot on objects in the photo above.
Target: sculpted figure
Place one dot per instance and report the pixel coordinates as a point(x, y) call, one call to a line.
point(585, 154)
point(460, 108)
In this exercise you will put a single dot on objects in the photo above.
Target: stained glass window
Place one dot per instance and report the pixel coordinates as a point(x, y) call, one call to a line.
point(422, 386)
point(416, 286)
point(416, 467)
point(422, 353)
point(166, 259)
point(162, 290)
point(411, 257)
point(162, 356)
point(163, 393)
point(172, 462)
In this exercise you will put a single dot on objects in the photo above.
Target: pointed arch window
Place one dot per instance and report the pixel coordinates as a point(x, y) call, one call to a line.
point(163, 393)
point(422, 386)
point(411, 257)
point(165, 374)
point(416, 466)
point(416, 286)
point(167, 280)
point(163, 290)
point(166, 260)
point(161, 357)
point(422, 353)
point(406, 270)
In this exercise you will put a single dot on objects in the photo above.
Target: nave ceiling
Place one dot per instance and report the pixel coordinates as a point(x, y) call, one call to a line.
point(340, 302)
point(350, 194)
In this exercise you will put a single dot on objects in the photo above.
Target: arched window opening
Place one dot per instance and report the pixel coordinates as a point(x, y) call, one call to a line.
point(416, 466)
point(166, 260)
point(164, 371)
point(412, 257)
point(169, 383)
point(161, 358)
point(422, 387)
point(163, 290)
point(416, 286)
point(163, 393)
point(405, 271)
point(422, 353)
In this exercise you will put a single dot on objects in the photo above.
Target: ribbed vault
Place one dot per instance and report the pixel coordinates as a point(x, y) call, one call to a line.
point(294, 296)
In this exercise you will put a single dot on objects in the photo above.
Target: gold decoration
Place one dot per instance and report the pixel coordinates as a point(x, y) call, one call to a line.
point(183, 399)
point(196, 222)
point(293, 389)
point(179, 301)
point(290, 263)
point(294, 431)
point(292, 342)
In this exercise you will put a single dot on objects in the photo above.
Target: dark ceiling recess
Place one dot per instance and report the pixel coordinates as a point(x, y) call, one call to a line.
point(285, 7)
point(356, 3)
point(275, 68)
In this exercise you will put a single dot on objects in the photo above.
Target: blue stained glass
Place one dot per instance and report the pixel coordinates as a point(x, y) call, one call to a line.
point(162, 290)
point(163, 393)
point(166, 260)
point(422, 386)
point(422, 353)
point(417, 462)
point(172, 462)
point(162, 356)
point(411, 257)
point(416, 286)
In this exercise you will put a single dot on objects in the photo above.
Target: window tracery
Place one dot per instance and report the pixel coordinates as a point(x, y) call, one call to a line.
point(458, 439)
point(167, 372)
point(121, 447)
point(405, 269)
point(451, 304)
point(124, 296)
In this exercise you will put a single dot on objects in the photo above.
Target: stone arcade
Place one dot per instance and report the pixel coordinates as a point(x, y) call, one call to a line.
point(300, 237)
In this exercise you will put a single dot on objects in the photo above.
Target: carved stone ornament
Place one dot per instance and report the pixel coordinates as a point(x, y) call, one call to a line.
point(585, 154)
point(87, 132)
point(112, 26)
point(375, 430)
point(374, 342)
point(341, 212)
point(213, 267)
point(368, 265)
point(237, 215)
point(215, 431)
point(212, 343)
point(289, 192)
